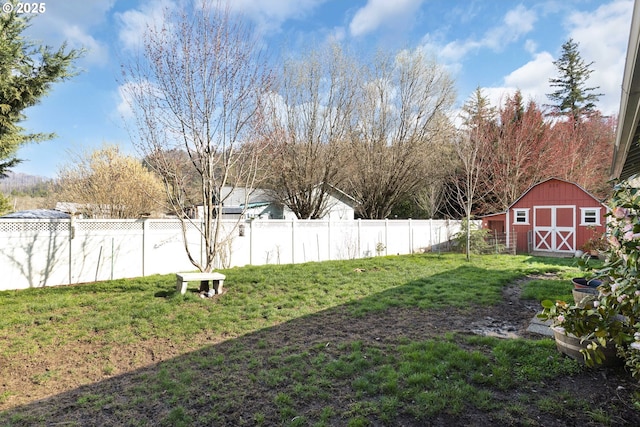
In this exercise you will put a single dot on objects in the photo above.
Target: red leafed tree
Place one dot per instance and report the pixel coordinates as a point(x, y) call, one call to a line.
point(520, 152)
point(581, 152)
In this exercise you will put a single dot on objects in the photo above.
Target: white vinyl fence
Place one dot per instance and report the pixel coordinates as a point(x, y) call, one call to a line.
point(37, 253)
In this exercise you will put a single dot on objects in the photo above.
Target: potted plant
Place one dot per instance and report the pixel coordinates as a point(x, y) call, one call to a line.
point(597, 244)
point(585, 330)
point(612, 318)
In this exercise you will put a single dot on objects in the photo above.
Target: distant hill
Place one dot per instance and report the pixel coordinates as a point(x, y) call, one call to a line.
point(21, 182)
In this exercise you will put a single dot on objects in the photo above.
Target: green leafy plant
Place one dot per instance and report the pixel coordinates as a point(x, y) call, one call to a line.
point(593, 321)
point(478, 243)
point(5, 205)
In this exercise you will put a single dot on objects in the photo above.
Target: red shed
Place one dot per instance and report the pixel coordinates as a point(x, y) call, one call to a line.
point(553, 216)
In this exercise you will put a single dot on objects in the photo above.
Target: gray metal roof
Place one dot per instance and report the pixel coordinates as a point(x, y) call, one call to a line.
point(37, 214)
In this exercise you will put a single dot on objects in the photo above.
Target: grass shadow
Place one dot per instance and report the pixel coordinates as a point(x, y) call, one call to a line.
point(378, 358)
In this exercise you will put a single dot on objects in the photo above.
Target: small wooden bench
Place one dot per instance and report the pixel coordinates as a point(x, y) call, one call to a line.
point(182, 279)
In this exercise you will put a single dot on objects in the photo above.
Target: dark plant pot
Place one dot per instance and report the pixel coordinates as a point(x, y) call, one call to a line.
point(582, 296)
point(581, 282)
point(571, 345)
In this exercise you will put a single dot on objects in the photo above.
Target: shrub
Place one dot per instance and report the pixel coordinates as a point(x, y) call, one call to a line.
point(478, 238)
point(614, 315)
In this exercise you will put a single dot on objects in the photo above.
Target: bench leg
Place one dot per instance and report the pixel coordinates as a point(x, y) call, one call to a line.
point(217, 286)
point(181, 286)
point(204, 286)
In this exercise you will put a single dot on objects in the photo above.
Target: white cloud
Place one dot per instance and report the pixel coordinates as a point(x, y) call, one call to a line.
point(79, 12)
point(528, 77)
point(603, 37)
point(337, 35)
point(515, 24)
point(377, 13)
point(130, 93)
point(134, 22)
point(531, 46)
point(96, 51)
point(270, 15)
point(124, 101)
point(532, 79)
point(72, 21)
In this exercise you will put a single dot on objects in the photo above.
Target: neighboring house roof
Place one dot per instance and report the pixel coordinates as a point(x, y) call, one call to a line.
point(626, 151)
point(236, 199)
point(38, 214)
point(238, 196)
point(257, 204)
point(349, 200)
point(340, 195)
point(232, 210)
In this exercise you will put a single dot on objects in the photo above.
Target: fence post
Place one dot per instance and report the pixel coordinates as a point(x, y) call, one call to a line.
point(358, 246)
point(145, 237)
point(329, 239)
point(293, 240)
point(251, 241)
point(386, 236)
point(202, 242)
point(72, 230)
point(410, 238)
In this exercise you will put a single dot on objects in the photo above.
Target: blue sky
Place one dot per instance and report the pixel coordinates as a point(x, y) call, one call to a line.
point(498, 45)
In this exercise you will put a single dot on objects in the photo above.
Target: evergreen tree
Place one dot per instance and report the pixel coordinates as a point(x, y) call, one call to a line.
point(572, 97)
point(26, 74)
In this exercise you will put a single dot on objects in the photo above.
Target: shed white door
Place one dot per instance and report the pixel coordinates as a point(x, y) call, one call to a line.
point(554, 228)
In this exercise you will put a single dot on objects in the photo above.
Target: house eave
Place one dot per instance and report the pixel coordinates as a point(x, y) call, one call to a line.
point(626, 151)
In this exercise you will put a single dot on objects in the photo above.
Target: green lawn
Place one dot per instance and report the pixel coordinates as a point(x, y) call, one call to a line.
point(309, 344)
point(131, 310)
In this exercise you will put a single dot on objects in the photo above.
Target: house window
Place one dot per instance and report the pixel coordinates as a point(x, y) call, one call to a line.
point(521, 216)
point(590, 216)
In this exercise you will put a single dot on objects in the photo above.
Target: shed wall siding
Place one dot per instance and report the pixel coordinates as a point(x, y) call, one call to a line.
point(554, 193)
point(559, 193)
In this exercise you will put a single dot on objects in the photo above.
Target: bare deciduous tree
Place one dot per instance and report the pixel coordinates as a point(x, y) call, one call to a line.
point(108, 184)
point(581, 152)
point(399, 118)
point(431, 195)
point(519, 153)
point(196, 86)
point(308, 123)
point(473, 150)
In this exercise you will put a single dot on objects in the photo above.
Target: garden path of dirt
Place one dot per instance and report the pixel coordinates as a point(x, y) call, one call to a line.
point(61, 377)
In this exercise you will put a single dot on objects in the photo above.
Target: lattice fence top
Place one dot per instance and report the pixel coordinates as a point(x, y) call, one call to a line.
point(107, 225)
point(33, 226)
point(19, 226)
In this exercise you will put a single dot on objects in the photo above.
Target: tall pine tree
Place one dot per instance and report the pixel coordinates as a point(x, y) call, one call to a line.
point(27, 72)
point(581, 144)
point(572, 97)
